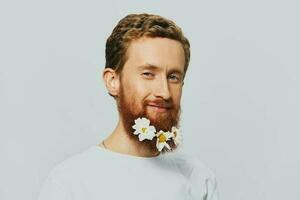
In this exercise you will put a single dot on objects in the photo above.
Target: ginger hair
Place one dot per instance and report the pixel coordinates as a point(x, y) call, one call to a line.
point(135, 26)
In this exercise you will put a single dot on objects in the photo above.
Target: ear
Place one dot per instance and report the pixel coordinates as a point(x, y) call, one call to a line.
point(111, 81)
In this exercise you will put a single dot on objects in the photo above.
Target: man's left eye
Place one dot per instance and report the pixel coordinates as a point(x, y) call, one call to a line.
point(173, 77)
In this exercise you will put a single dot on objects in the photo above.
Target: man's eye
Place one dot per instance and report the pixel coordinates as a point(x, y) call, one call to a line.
point(174, 77)
point(148, 74)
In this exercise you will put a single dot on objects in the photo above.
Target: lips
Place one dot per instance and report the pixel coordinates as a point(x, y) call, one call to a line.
point(159, 108)
point(159, 105)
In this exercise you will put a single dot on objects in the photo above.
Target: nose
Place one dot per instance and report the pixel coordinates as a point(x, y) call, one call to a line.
point(162, 89)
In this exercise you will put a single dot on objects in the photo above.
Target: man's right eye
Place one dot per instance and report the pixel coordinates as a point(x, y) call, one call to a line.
point(148, 74)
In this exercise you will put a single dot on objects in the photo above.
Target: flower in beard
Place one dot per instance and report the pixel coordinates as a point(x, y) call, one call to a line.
point(162, 138)
point(143, 129)
point(176, 135)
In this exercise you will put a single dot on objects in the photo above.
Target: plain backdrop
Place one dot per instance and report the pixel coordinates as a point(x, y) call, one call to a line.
point(240, 103)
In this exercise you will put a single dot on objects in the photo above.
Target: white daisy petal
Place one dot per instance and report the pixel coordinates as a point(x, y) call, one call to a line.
point(152, 129)
point(167, 145)
point(168, 135)
point(143, 129)
point(176, 135)
point(150, 136)
point(141, 137)
point(137, 121)
point(144, 121)
point(160, 146)
point(136, 132)
point(162, 138)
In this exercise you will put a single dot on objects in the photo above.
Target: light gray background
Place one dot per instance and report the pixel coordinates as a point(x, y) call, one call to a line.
point(240, 102)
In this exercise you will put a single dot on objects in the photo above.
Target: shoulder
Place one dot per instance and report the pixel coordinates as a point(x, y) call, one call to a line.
point(74, 165)
point(65, 175)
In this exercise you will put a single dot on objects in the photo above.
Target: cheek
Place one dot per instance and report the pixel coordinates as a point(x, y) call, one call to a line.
point(138, 89)
point(176, 94)
point(128, 88)
point(135, 94)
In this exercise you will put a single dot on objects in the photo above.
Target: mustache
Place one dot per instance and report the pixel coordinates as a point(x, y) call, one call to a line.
point(159, 103)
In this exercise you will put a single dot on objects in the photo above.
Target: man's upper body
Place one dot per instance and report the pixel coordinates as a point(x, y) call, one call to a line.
point(98, 173)
point(147, 57)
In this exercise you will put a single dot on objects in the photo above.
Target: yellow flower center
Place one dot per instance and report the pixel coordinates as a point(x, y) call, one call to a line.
point(175, 133)
point(162, 138)
point(144, 130)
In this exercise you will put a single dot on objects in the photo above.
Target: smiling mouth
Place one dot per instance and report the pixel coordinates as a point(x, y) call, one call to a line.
point(159, 108)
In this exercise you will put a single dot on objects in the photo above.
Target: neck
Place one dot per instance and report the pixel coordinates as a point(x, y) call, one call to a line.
point(119, 141)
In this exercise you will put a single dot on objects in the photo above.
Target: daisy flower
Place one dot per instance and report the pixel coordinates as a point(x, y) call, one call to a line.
point(143, 129)
point(162, 138)
point(176, 135)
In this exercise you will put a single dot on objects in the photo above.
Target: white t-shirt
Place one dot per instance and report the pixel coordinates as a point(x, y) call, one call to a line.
point(101, 174)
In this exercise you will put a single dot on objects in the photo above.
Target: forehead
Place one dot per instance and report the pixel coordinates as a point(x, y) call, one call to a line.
point(162, 52)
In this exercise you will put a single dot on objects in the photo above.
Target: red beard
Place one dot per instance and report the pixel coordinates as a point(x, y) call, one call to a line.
point(130, 111)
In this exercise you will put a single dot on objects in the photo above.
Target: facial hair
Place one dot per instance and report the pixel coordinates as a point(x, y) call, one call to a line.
point(130, 110)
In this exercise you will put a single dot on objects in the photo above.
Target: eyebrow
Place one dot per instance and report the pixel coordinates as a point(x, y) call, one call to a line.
point(148, 66)
point(154, 67)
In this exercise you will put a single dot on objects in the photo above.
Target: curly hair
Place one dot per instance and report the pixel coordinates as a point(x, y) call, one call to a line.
point(135, 26)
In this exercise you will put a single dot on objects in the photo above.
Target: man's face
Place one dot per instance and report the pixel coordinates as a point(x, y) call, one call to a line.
point(151, 83)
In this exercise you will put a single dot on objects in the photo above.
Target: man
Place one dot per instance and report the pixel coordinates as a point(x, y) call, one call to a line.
point(147, 57)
